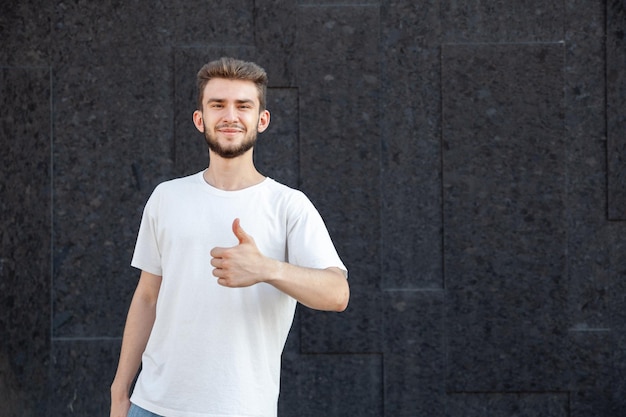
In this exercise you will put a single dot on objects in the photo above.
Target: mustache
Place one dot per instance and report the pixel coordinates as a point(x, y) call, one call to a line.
point(230, 126)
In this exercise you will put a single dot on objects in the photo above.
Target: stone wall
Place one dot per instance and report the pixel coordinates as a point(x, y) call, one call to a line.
point(468, 158)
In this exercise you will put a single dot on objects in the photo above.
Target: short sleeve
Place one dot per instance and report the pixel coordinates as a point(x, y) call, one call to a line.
point(147, 255)
point(308, 240)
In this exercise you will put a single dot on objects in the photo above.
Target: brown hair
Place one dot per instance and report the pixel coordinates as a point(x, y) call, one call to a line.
point(233, 69)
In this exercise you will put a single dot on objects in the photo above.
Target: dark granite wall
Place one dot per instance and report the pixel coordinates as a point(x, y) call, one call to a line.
point(468, 158)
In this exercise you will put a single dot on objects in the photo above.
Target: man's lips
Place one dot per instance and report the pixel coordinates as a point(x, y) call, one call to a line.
point(230, 129)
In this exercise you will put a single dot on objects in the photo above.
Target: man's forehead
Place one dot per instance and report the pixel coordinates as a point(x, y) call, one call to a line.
point(228, 84)
point(226, 89)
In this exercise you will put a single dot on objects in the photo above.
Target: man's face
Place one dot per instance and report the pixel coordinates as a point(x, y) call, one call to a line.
point(230, 118)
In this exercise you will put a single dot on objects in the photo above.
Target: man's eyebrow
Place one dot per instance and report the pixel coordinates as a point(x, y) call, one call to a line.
point(220, 100)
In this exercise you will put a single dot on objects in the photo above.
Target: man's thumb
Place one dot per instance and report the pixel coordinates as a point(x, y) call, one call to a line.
point(242, 236)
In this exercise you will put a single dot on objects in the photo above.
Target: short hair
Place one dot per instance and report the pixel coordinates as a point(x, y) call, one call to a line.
point(233, 69)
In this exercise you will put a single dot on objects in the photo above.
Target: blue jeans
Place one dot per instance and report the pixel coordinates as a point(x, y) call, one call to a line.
point(136, 411)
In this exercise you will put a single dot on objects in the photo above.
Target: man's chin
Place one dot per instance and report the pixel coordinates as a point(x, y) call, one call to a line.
point(230, 153)
point(229, 148)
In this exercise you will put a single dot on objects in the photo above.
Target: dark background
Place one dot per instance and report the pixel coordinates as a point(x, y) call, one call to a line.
point(467, 156)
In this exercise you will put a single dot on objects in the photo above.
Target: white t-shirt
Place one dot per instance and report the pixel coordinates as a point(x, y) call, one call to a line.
point(216, 351)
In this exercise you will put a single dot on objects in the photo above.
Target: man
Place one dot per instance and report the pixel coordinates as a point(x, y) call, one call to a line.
point(224, 255)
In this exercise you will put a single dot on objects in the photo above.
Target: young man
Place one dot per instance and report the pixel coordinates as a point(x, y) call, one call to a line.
point(224, 255)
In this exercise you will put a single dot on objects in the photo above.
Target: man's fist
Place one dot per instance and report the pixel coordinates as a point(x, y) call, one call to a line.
point(241, 265)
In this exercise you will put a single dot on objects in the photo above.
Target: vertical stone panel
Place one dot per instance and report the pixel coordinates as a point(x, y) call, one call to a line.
point(588, 231)
point(504, 177)
point(596, 352)
point(25, 233)
point(339, 131)
point(410, 151)
point(112, 146)
point(340, 160)
point(616, 103)
point(414, 353)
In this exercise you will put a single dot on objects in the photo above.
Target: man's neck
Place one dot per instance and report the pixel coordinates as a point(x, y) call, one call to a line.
point(232, 174)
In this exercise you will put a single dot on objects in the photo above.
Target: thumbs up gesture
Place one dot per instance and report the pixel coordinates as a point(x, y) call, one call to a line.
point(241, 265)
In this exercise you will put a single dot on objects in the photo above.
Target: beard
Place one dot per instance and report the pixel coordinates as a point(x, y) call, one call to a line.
point(229, 152)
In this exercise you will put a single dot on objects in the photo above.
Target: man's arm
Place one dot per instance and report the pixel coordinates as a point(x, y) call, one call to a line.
point(244, 265)
point(139, 323)
point(321, 289)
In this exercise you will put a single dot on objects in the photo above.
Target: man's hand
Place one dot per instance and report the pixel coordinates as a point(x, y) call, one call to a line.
point(241, 265)
point(119, 407)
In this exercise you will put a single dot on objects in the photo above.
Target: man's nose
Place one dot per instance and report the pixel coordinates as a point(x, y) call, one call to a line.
point(230, 114)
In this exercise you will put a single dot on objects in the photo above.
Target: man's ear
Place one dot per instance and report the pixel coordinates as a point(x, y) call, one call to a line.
point(264, 121)
point(197, 120)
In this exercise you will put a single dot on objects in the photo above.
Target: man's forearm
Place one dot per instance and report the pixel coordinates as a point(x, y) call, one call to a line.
point(320, 289)
point(139, 322)
point(136, 334)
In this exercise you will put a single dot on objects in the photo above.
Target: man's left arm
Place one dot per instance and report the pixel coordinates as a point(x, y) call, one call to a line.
point(244, 265)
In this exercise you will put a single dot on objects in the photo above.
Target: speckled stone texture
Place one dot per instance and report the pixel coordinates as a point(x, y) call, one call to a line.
point(554, 404)
point(591, 238)
point(616, 103)
point(25, 202)
point(502, 21)
point(340, 145)
point(467, 157)
point(81, 375)
point(414, 353)
point(505, 235)
point(410, 146)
